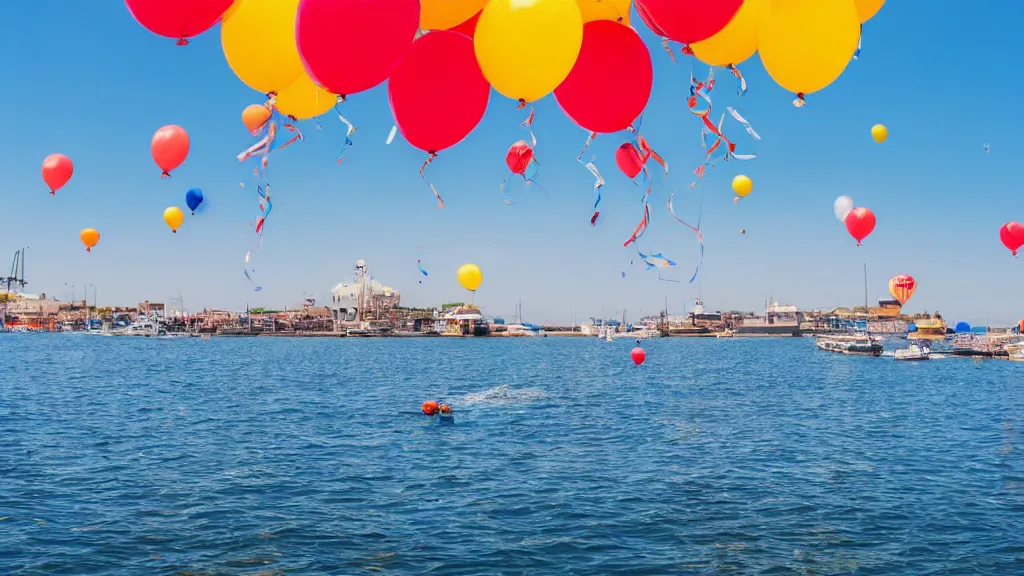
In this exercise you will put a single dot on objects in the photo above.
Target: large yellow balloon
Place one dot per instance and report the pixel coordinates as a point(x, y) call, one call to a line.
point(527, 47)
point(174, 217)
point(867, 9)
point(470, 277)
point(617, 10)
point(806, 44)
point(258, 38)
point(304, 99)
point(445, 14)
point(737, 41)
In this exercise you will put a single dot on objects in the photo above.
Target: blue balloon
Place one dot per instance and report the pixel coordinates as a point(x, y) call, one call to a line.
point(962, 327)
point(194, 198)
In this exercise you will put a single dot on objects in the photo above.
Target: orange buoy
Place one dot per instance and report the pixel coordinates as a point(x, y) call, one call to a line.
point(445, 409)
point(430, 407)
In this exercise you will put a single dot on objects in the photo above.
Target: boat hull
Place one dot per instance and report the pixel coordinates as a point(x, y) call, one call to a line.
point(854, 347)
point(769, 330)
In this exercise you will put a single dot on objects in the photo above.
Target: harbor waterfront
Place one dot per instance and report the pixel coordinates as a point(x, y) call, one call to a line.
point(310, 456)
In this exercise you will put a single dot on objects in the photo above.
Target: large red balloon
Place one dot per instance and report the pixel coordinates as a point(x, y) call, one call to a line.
point(438, 93)
point(687, 21)
point(181, 19)
point(629, 160)
point(169, 147)
point(57, 170)
point(1012, 236)
point(859, 223)
point(610, 83)
point(348, 46)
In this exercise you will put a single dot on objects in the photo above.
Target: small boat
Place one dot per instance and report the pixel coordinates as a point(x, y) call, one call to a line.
point(913, 352)
point(859, 344)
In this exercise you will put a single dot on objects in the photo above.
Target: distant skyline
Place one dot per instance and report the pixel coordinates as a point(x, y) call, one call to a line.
point(91, 83)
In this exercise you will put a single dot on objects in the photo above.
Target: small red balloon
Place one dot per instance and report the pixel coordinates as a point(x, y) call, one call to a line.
point(1012, 236)
point(629, 160)
point(610, 50)
point(860, 222)
point(638, 355)
point(169, 147)
point(438, 94)
point(376, 37)
point(519, 156)
point(181, 19)
point(687, 21)
point(57, 170)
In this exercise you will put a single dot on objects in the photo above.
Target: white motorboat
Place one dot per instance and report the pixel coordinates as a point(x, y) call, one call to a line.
point(859, 344)
point(913, 352)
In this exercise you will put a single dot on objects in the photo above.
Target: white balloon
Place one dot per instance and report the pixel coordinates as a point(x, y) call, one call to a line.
point(842, 207)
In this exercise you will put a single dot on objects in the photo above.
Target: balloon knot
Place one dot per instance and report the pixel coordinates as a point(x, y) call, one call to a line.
point(175, 232)
point(687, 50)
point(858, 243)
point(165, 175)
point(183, 41)
point(53, 192)
point(522, 104)
point(87, 249)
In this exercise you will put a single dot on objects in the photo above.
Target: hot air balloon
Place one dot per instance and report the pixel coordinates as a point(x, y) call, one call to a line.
point(902, 287)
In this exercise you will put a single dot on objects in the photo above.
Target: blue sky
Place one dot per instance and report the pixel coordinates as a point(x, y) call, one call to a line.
point(84, 79)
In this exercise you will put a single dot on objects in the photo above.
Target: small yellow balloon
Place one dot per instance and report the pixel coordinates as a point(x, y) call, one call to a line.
point(737, 41)
point(879, 132)
point(258, 38)
point(304, 99)
point(525, 48)
point(445, 14)
point(806, 44)
point(173, 216)
point(470, 277)
point(867, 9)
point(90, 237)
point(742, 185)
point(616, 10)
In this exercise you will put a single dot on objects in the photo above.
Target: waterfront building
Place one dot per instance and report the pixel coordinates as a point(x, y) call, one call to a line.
point(364, 302)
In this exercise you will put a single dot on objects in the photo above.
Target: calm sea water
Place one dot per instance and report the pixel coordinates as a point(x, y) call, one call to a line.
point(287, 456)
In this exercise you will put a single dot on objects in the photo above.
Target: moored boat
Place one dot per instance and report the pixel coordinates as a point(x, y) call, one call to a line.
point(914, 351)
point(859, 344)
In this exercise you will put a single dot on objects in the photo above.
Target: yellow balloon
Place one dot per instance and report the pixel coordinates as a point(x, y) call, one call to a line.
point(173, 216)
point(867, 9)
point(304, 99)
point(527, 47)
point(737, 41)
point(445, 14)
point(742, 185)
point(617, 10)
point(879, 132)
point(806, 44)
point(258, 38)
point(470, 277)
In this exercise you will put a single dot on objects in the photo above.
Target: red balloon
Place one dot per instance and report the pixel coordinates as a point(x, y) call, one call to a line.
point(375, 38)
point(629, 160)
point(519, 156)
point(438, 93)
point(687, 21)
point(610, 51)
point(469, 26)
point(1012, 236)
point(181, 19)
point(638, 355)
point(859, 223)
point(57, 170)
point(169, 147)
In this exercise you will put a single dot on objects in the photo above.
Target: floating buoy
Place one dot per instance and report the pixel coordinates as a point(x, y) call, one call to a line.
point(638, 355)
point(430, 407)
point(445, 409)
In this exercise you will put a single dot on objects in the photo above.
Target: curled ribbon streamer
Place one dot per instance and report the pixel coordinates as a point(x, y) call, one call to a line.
point(696, 230)
point(440, 202)
point(348, 133)
point(641, 228)
point(741, 88)
point(598, 182)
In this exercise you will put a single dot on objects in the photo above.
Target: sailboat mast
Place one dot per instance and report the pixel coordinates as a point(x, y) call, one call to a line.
point(865, 287)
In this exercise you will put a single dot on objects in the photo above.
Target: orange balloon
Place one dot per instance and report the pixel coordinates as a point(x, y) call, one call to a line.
point(57, 170)
point(169, 147)
point(254, 117)
point(90, 237)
